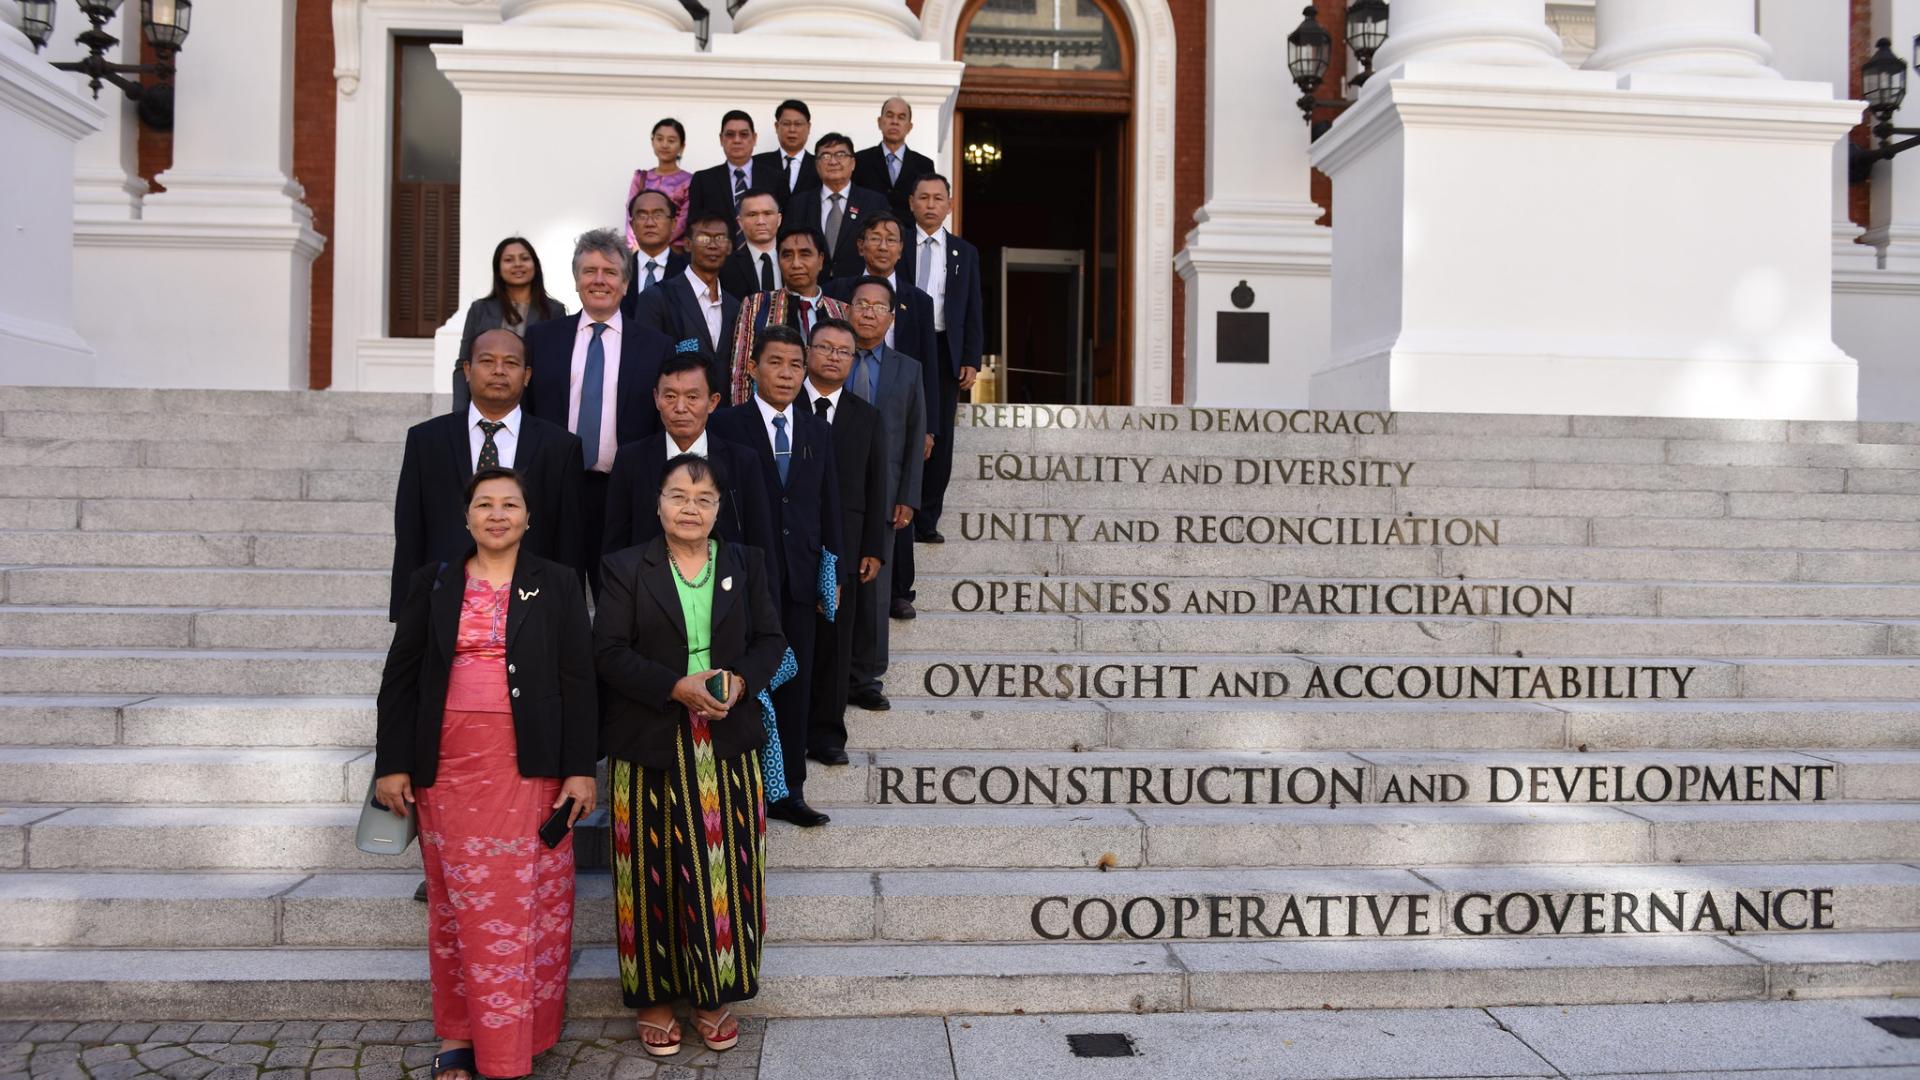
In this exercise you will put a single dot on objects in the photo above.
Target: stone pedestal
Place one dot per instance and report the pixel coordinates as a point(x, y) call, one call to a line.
point(1515, 236)
point(214, 277)
point(42, 116)
point(1255, 237)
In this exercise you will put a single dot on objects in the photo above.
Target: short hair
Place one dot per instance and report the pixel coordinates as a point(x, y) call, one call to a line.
point(806, 229)
point(708, 215)
point(736, 114)
point(607, 242)
point(796, 105)
point(673, 208)
point(680, 363)
point(696, 467)
point(778, 334)
point(831, 138)
point(495, 472)
point(871, 280)
point(926, 176)
point(467, 360)
point(903, 101)
point(884, 217)
point(682, 131)
point(752, 193)
point(834, 323)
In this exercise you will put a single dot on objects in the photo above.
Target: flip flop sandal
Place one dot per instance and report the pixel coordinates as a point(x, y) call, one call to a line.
point(459, 1059)
point(670, 1028)
point(710, 1031)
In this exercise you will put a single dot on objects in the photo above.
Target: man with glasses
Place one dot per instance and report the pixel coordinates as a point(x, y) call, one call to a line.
point(881, 245)
point(691, 308)
point(651, 214)
point(793, 126)
point(842, 204)
point(754, 266)
point(719, 189)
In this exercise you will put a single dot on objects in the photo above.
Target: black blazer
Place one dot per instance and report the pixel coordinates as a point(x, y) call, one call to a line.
point(675, 266)
point(870, 171)
point(549, 671)
point(740, 274)
point(642, 352)
point(809, 175)
point(672, 308)
point(966, 317)
point(430, 518)
point(845, 260)
point(912, 314)
point(640, 651)
point(487, 314)
point(806, 509)
point(860, 452)
point(712, 188)
point(634, 488)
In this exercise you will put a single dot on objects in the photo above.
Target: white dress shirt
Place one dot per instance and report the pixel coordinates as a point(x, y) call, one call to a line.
point(709, 305)
point(826, 207)
point(699, 446)
point(767, 413)
point(815, 315)
point(609, 385)
point(936, 285)
point(773, 260)
point(790, 165)
point(640, 259)
point(506, 440)
point(833, 400)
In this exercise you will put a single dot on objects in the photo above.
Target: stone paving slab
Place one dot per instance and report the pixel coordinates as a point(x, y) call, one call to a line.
point(1603, 1039)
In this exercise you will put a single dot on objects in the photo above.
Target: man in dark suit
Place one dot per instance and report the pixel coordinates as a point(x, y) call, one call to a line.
point(754, 266)
point(891, 168)
point(720, 187)
point(797, 463)
point(594, 373)
point(691, 308)
point(686, 397)
point(429, 515)
point(860, 451)
point(947, 269)
point(911, 330)
point(651, 215)
point(838, 206)
point(793, 162)
point(891, 380)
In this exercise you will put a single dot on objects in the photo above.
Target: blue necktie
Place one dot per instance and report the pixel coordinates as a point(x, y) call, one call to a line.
point(782, 449)
point(865, 379)
point(652, 277)
point(592, 390)
point(893, 168)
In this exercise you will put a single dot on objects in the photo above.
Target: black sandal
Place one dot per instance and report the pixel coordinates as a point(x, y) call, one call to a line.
point(459, 1059)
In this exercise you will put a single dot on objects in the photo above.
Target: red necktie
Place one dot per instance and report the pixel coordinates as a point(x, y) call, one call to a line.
point(806, 320)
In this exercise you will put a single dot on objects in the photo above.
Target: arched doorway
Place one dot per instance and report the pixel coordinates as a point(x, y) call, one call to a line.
point(1078, 93)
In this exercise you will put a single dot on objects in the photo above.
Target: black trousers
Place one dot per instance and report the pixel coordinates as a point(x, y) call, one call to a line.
point(939, 470)
point(832, 666)
point(792, 703)
point(593, 520)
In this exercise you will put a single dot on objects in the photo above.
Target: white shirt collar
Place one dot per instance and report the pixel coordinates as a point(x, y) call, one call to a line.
point(827, 193)
point(700, 290)
point(938, 235)
point(699, 446)
point(586, 323)
point(512, 419)
point(813, 299)
point(768, 412)
point(833, 399)
point(641, 255)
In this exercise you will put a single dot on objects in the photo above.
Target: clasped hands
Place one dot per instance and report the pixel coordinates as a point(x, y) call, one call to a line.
point(692, 692)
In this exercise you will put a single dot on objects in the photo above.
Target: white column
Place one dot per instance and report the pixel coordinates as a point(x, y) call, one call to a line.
point(1896, 184)
point(1680, 37)
point(106, 169)
point(42, 116)
point(640, 15)
point(1496, 32)
point(1257, 226)
point(1811, 41)
point(828, 18)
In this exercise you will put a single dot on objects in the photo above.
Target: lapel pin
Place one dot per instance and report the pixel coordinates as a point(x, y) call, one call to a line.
point(726, 584)
point(528, 594)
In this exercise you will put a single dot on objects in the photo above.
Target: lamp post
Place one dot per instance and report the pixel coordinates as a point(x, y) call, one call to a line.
point(1310, 51)
point(1883, 82)
point(165, 23)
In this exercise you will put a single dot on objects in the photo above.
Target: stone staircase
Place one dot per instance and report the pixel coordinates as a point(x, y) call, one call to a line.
point(1641, 726)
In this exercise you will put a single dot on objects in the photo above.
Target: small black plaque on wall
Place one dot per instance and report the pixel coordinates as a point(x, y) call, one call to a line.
point(1241, 337)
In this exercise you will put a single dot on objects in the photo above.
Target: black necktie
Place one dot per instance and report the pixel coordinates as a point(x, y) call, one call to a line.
point(766, 272)
point(739, 188)
point(820, 407)
point(489, 453)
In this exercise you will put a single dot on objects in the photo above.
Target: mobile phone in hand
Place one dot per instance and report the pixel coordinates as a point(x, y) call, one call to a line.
point(556, 828)
point(720, 685)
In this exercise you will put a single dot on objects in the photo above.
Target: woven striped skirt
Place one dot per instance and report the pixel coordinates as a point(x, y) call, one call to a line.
point(689, 860)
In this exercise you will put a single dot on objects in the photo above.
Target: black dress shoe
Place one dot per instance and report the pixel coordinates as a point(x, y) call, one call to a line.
point(795, 809)
point(901, 608)
point(828, 757)
point(933, 537)
point(420, 893)
point(870, 699)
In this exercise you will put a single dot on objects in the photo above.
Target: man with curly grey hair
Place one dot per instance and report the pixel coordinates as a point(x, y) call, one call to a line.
point(594, 372)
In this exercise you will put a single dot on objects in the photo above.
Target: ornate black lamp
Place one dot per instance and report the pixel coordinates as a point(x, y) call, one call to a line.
point(165, 23)
point(1366, 32)
point(1310, 50)
point(1883, 82)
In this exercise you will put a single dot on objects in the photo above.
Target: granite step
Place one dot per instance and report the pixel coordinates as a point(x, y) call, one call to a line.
point(877, 838)
point(32, 626)
point(185, 776)
point(306, 550)
point(375, 908)
point(200, 587)
point(890, 980)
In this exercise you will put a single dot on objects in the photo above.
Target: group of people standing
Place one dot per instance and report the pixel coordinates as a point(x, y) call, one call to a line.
point(669, 530)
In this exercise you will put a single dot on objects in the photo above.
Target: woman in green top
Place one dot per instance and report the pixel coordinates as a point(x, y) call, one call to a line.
point(686, 636)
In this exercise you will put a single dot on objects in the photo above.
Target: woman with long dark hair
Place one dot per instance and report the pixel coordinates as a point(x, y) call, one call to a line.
point(518, 300)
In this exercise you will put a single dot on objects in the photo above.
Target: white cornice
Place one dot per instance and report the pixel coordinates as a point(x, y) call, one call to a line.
point(50, 98)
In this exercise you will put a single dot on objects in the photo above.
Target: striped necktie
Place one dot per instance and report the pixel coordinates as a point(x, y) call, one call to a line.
point(782, 449)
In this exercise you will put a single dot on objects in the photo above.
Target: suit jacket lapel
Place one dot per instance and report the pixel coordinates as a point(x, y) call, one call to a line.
point(460, 445)
point(692, 310)
point(656, 571)
point(526, 592)
point(444, 605)
point(728, 580)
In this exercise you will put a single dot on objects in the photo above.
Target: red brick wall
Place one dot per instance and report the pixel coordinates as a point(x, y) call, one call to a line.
point(1190, 157)
point(1333, 19)
point(313, 143)
point(1859, 196)
point(155, 147)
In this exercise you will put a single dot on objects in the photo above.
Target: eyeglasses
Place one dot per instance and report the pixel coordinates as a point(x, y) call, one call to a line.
point(878, 307)
point(679, 500)
point(841, 353)
point(711, 239)
point(833, 155)
point(653, 215)
point(736, 134)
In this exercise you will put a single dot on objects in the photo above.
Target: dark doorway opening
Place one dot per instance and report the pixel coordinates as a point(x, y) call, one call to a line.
point(1044, 195)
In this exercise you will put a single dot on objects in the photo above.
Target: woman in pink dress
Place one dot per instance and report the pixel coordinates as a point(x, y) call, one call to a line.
point(669, 141)
point(487, 727)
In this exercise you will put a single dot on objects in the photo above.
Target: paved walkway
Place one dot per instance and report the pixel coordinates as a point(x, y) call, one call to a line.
point(1813, 1040)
